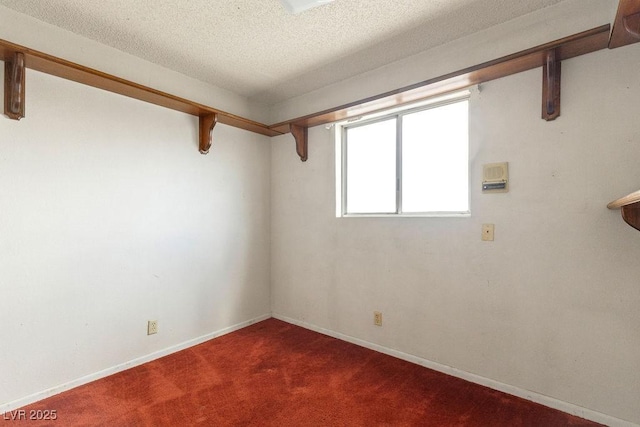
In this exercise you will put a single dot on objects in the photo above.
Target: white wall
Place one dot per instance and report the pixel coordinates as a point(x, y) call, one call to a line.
point(550, 306)
point(109, 217)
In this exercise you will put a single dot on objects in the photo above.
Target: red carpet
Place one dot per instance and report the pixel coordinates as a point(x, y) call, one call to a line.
point(276, 374)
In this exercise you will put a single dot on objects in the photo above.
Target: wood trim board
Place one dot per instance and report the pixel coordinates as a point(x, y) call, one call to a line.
point(568, 47)
point(565, 48)
point(59, 67)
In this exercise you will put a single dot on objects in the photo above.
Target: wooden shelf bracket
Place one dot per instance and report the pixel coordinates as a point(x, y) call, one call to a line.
point(632, 24)
point(626, 27)
point(301, 135)
point(551, 86)
point(630, 207)
point(14, 80)
point(206, 124)
point(631, 215)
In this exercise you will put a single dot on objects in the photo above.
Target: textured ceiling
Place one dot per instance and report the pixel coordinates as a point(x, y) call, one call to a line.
point(257, 49)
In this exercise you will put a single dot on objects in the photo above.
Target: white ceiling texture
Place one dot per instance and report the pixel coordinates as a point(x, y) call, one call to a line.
point(259, 50)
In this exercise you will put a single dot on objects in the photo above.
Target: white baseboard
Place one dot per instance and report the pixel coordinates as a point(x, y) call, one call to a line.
point(12, 406)
point(496, 385)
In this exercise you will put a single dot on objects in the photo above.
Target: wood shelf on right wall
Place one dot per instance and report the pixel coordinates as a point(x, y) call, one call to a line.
point(630, 206)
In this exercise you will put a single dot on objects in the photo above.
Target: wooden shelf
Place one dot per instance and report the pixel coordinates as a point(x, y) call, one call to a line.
point(626, 27)
point(630, 207)
point(626, 200)
point(71, 71)
point(548, 55)
point(568, 47)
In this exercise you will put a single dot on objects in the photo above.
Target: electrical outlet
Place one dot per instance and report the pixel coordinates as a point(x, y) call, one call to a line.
point(487, 232)
point(152, 327)
point(377, 318)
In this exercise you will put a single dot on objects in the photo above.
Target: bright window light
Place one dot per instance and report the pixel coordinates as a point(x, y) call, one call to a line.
point(371, 176)
point(412, 162)
point(435, 152)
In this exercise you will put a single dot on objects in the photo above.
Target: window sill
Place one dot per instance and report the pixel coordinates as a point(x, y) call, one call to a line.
point(416, 215)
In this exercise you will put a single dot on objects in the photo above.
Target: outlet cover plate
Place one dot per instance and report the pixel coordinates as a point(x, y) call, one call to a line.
point(152, 327)
point(377, 318)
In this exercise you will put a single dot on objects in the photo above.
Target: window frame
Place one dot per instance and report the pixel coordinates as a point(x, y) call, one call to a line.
point(398, 114)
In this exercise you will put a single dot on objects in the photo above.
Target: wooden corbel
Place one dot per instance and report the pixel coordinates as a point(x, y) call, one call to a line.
point(632, 24)
point(206, 124)
point(631, 215)
point(300, 134)
point(14, 79)
point(551, 86)
point(626, 27)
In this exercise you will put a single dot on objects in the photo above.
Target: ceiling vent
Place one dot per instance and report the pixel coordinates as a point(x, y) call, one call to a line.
point(298, 6)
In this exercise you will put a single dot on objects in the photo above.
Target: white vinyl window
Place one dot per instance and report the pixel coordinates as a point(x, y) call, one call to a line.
point(413, 162)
